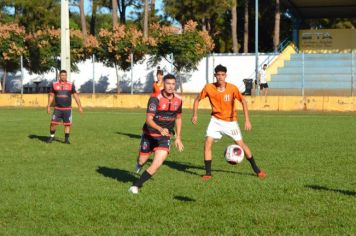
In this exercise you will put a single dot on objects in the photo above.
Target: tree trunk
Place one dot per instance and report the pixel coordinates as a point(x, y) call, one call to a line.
point(246, 27)
point(4, 81)
point(82, 19)
point(235, 48)
point(145, 20)
point(114, 13)
point(122, 11)
point(277, 20)
point(117, 79)
point(93, 17)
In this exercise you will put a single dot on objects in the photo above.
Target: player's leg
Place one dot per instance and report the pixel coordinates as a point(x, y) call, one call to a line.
point(212, 134)
point(249, 157)
point(146, 147)
point(161, 152)
point(233, 130)
point(55, 120)
point(208, 145)
point(67, 122)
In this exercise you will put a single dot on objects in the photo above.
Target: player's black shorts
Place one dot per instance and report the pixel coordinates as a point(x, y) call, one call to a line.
point(150, 144)
point(262, 86)
point(62, 117)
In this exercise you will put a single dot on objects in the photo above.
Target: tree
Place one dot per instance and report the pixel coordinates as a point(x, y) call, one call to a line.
point(12, 46)
point(122, 5)
point(246, 26)
point(83, 22)
point(145, 19)
point(114, 13)
point(186, 47)
point(276, 34)
point(235, 48)
point(117, 46)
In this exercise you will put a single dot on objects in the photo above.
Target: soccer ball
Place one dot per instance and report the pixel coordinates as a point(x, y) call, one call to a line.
point(234, 154)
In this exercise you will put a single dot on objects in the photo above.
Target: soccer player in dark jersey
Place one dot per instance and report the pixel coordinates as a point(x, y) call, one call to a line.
point(163, 113)
point(61, 93)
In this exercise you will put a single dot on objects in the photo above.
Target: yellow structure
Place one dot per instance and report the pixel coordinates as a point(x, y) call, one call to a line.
point(327, 40)
point(273, 103)
point(272, 69)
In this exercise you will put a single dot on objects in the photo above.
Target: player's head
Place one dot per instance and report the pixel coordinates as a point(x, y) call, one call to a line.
point(159, 73)
point(63, 75)
point(169, 83)
point(264, 66)
point(220, 73)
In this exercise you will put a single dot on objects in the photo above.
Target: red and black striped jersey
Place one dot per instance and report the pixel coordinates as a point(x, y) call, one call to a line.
point(165, 112)
point(62, 94)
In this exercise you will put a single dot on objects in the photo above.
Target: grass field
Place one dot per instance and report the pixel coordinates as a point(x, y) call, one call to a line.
point(81, 189)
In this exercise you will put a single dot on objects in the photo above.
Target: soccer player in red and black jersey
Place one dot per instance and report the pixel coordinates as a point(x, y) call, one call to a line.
point(61, 93)
point(163, 113)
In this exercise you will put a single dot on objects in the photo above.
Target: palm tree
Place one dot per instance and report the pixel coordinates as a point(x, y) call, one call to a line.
point(114, 13)
point(246, 27)
point(145, 20)
point(277, 20)
point(83, 22)
point(234, 26)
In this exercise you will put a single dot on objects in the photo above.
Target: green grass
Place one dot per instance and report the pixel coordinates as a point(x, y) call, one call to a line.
point(81, 189)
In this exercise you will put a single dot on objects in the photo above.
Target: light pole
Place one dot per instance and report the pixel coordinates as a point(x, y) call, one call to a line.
point(65, 37)
point(256, 45)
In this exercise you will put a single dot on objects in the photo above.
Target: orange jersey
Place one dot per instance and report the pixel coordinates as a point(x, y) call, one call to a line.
point(222, 103)
point(155, 88)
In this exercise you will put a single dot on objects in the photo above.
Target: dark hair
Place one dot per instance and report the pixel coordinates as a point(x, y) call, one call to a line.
point(169, 76)
point(159, 71)
point(264, 64)
point(220, 68)
point(63, 71)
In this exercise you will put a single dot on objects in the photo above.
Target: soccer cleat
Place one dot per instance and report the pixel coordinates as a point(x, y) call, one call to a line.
point(261, 174)
point(50, 139)
point(67, 142)
point(206, 177)
point(138, 168)
point(133, 189)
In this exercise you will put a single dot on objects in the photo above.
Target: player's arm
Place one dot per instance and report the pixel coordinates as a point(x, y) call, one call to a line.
point(178, 142)
point(248, 125)
point(150, 122)
point(50, 101)
point(195, 109)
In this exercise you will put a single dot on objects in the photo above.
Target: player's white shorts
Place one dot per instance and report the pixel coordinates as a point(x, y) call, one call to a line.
point(218, 127)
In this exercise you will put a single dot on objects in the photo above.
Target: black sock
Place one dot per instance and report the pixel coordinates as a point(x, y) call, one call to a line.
point(66, 136)
point(143, 178)
point(207, 167)
point(253, 165)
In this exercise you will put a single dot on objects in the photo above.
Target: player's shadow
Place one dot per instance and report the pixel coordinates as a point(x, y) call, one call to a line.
point(117, 174)
point(135, 136)
point(185, 167)
point(322, 188)
point(184, 199)
point(41, 138)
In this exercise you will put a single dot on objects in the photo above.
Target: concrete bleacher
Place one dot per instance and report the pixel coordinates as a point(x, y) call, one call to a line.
point(323, 73)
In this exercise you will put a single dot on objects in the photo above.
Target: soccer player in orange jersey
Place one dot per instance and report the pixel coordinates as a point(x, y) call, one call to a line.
point(158, 85)
point(222, 97)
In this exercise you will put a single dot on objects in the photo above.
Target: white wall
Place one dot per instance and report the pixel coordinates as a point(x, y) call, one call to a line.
point(239, 67)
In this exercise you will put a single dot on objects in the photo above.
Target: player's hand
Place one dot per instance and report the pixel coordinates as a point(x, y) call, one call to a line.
point(179, 145)
point(248, 125)
point(164, 132)
point(80, 109)
point(49, 110)
point(194, 119)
